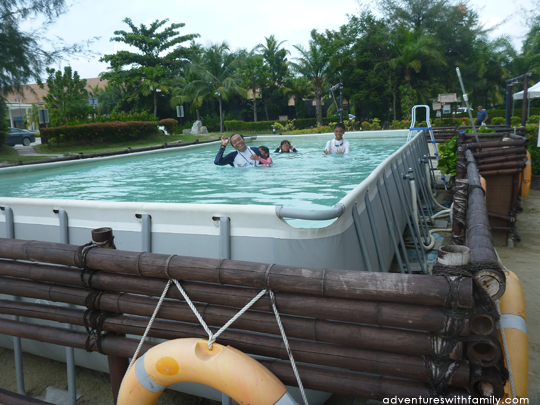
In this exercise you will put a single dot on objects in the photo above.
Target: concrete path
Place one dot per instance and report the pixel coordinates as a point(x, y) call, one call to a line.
point(30, 151)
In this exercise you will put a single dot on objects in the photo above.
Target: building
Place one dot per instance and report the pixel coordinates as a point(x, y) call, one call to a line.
point(19, 104)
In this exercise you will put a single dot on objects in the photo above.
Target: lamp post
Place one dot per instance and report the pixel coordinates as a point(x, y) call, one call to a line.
point(220, 112)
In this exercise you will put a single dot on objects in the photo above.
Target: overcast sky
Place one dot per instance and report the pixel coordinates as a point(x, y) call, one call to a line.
point(242, 23)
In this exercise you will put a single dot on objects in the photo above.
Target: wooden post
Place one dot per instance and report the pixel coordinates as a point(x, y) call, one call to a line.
point(118, 365)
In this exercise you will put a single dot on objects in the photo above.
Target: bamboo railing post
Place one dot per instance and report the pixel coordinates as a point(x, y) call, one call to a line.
point(118, 365)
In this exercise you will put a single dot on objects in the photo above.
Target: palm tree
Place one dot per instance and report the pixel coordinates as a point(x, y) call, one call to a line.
point(255, 76)
point(216, 75)
point(313, 64)
point(32, 116)
point(414, 50)
point(184, 92)
point(154, 83)
point(299, 88)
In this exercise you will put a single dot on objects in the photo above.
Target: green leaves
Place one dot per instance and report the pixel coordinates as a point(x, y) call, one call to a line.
point(448, 157)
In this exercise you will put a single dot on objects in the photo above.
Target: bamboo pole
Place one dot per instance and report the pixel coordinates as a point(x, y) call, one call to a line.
point(299, 327)
point(370, 361)
point(520, 164)
point(404, 288)
point(495, 144)
point(478, 234)
point(505, 158)
point(313, 377)
point(408, 316)
point(499, 152)
point(502, 171)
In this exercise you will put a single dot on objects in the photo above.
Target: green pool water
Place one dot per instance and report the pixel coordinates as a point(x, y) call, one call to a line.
point(307, 179)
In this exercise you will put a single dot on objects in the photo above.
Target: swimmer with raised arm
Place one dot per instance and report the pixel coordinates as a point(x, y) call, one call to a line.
point(338, 145)
point(241, 157)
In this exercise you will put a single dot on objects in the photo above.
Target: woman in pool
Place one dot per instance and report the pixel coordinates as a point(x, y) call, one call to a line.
point(265, 160)
point(338, 145)
point(285, 147)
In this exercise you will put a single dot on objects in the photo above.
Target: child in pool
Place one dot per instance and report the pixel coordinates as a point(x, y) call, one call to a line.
point(265, 160)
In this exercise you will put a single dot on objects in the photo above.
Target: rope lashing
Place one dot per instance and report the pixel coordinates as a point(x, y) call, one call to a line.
point(213, 336)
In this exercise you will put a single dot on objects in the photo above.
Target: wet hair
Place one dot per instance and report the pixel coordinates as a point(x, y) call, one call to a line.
point(265, 150)
point(340, 125)
point(284, 141)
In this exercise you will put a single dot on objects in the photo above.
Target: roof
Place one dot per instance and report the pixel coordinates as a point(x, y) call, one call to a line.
point(532, 92)
point(33, 94)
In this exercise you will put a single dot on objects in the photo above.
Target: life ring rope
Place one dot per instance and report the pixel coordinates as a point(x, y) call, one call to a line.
point(146, 381)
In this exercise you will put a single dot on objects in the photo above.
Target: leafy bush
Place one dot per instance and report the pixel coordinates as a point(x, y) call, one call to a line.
point(404, 124)
point(266, 126)
point(114, 116)
point(498, 121)
point(480, 130)
point(373, 126)
point(101, 132)
point(319, 130)
point(170, 124)
point(515, 121)
point(448, 157)
point(533, 120)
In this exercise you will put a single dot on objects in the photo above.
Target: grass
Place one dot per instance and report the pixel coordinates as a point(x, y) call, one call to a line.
point(8, 154)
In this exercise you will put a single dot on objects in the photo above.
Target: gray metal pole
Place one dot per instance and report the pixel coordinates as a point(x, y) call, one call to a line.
point(466, 98)
point(361, 239)
point(70, 352)
point(374, 232)
point(146, 233)
point(17, 347)
point(224, 238)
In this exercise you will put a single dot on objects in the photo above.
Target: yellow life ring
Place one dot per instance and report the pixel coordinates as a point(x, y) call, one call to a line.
point(484, 186)
point(514, 322)
point(525, 179)
point(189, 360)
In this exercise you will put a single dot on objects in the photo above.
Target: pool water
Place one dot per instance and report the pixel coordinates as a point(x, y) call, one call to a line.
point(307, 179)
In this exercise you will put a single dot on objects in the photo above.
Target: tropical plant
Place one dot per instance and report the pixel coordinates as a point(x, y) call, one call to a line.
point(448, 157)
point(216, 75)
point(498, 120)
point(3, 123)
point(32, 116)
point(67, 96)
point(149, 70)
point(313, 64)
point(255, 77)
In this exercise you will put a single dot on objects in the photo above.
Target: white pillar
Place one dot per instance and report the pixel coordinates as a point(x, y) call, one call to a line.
point(10, 117)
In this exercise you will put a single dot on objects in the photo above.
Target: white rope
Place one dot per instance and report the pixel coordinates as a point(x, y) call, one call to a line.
point(506, 354)
point(289, 352)
point(213, 336)
point(148, 327)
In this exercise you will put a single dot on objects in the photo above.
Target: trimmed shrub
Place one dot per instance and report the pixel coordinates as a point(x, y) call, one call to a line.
point(404, 124)
point(533, 120)
point(101, 132)
point(266, 126)
point(498, 121)
point(515, 121)
point(170, 124)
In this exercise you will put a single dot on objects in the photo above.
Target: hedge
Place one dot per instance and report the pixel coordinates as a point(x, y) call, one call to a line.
point(300, 123)
point(101, 132)
point(170, 124)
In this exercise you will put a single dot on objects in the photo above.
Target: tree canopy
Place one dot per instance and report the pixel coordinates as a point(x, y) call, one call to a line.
point(160, 58)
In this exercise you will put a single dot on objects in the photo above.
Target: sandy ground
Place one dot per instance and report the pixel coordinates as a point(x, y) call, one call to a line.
point(94, 386)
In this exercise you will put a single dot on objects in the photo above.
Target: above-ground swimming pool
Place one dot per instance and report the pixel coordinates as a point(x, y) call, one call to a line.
point(307, 179)
point(177, 201)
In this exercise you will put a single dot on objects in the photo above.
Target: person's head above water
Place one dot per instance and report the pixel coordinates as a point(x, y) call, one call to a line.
point(238, 143)
point(285, 145)
point(265, 152)
point(339, 130)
